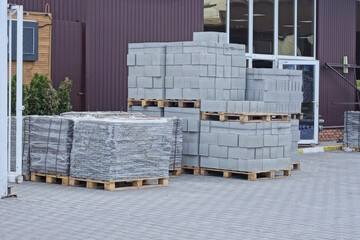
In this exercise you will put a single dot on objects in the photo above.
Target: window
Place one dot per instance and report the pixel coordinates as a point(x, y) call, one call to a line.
point(286, 27)
point(305, 28)
point(239, 22)
point(263, 18)
point(30, 40)
point(215, 15)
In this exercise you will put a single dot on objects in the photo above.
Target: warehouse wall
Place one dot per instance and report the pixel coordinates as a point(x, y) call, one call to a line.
point(336, 38)
point(109, 26)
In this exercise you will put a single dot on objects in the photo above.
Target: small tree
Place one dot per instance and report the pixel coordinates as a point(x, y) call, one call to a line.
point(64, 96)
point(13, 97)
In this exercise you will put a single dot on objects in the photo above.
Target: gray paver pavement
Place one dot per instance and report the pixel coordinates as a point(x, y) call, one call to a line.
point(322, 201)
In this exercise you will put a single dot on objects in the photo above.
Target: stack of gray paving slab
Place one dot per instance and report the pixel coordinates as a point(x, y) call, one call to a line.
point(50, 144)
point(147, 111)
point(122, 148)
point(247, 147)
point(191, 133)
point(352, 129)
point(176, 144)
point(280, 90)
point(25, 147)
point(104, 114)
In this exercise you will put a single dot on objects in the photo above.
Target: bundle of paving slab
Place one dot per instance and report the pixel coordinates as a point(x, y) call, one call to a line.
point(105, 146)
point(211, 71)
point(352, 130)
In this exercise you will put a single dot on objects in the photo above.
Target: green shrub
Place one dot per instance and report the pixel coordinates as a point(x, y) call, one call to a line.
point(40, 98)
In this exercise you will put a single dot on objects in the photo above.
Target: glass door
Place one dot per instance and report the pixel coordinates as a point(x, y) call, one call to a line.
point(309, 125)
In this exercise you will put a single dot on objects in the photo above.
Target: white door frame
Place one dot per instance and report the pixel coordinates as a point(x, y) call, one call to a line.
point(315, 63)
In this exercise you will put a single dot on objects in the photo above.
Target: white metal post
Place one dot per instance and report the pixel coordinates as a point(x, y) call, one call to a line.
point(9, 82)
point(228, 20)
point(19, 93)
point(3, 97)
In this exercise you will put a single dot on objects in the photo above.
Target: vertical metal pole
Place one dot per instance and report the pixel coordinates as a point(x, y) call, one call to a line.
point(251, 31)
point(3, 97)
point(9, 82)
point(228, 20)
point(19, 92)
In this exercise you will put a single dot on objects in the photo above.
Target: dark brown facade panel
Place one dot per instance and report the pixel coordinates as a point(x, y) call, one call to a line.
point(109, 26)
point(336, 38)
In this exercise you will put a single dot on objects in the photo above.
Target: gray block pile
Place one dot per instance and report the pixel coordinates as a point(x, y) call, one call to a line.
point(352, 129)
point(191, 133)
point(148, 111)
point(245, 146)
point(280, 90)
point(121, 149)
point(50, 144)
point(25, 147)
point(105, 114)
point(207, 69)
point(176, 144)
point(295, 133)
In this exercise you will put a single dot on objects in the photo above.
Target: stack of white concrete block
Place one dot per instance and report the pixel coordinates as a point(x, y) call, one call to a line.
point(352, 129)
point(191, 133)
point(281, 92)
point(245, 146)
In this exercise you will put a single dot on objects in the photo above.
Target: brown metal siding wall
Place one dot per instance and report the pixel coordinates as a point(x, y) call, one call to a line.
point(336, 38)
point(112, 24)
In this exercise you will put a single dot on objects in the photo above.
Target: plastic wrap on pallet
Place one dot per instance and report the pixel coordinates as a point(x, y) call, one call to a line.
point(352, 129)
point(50, 144)
point(25, 146)
point(101, 114)
point(121, 148)
point(176, 144)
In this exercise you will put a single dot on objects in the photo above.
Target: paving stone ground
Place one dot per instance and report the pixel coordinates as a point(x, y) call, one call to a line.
point(322, 201)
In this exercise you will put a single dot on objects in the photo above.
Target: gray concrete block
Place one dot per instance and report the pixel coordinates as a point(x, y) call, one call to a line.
point(190, 93)
point(154, 93)
point(270, 164)
point(183, 58)
point(191, 71)
point(241, 153)
point(193, 149)
point(174, 71)
point(154, 71)
point(271, 140)
point(204, 150)
point(173, 93)
point(219, 71)
point(229, 140)
point(213, 106)
point(159, 82)
point(203, 59)
point(208, 138)
point(206, 82)
point(131, 59)
point(204, 127)
point(227, 72)
point(175, 47)
point(144, 82)
point(223, 83)
point(283, 163)
point(285, 140)
point(223, 60)
point(135, 71)
point(276, 152)
point(228, 164)
point(193, 125)
point(206, 36)
point(132, 82)
point(250, 165)
point(222, 94)
point(211, 71)
point(251, 141)
point(170, 59)
point(143, 59)
point(133, 93)
point(238, 61)
point(209, 162)
point(169, 82)
point(190, 161)
point(158, 59)
point(218, 151)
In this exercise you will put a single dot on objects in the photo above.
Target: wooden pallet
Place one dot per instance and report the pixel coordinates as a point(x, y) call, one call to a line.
point(297, 116)
point(295, 166)
point(175, 172)
point(146, 102)
point(251, 117)
point(251, 176)
point(182, 103)
point(118, 185)
point(50, 178)
point(356, 149)
point(191, 170)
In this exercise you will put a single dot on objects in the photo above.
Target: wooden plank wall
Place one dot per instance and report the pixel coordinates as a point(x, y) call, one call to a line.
point(43, 64)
